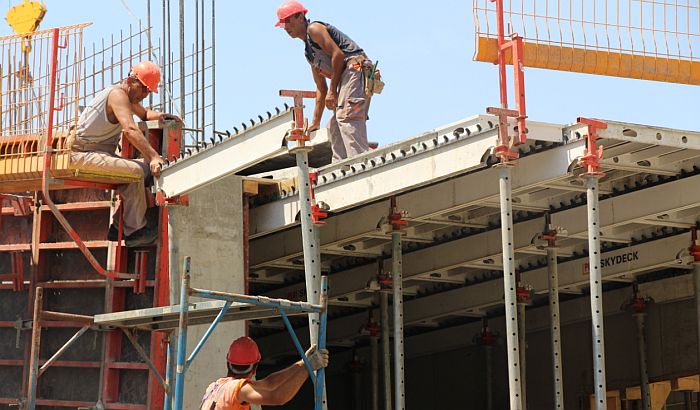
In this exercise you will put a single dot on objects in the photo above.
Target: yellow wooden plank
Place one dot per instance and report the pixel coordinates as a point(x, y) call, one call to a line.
point(690, 383)
point(557, 57)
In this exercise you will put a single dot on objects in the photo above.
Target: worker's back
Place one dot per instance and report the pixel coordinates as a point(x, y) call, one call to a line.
point(223, 395)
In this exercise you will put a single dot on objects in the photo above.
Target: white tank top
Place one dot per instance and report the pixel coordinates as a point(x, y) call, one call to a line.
point(93, 125)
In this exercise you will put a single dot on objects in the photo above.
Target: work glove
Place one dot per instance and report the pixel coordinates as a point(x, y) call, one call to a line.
point(317, 359)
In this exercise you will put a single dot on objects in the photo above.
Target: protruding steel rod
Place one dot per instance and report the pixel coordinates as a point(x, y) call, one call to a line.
point(555, 327)
point(509, 286)
point(596, 287)
point(397, 280)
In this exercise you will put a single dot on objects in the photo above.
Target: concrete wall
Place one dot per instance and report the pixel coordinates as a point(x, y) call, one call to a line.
point(210, 230)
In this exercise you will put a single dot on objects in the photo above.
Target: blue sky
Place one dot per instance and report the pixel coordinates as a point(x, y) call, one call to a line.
point(425, 52)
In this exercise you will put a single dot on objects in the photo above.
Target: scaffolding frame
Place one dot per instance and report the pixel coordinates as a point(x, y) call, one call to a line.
point(177, 319)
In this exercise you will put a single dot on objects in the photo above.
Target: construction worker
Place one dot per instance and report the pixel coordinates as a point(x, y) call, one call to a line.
point(335, 56)
point(237, 391)
point(100, 126)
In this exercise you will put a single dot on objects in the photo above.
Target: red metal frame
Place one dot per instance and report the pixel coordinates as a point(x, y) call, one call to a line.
point(593, 154)
point(300, 135)
point(515, 45)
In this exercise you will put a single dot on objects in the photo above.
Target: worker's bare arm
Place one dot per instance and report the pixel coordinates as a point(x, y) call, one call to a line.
point(149, 115)
point(321, 90)
point(284, 386)
point(319, 34)
point(119, 103)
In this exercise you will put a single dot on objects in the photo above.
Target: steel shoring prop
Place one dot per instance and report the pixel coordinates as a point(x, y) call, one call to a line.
point(509, 288)
point(550, 235)
point(309, 211)
point(522, 343)
point(397, 222)
point(695, 252)
point(591, 162)
point(386, 349)
point(643, 372)
point(507, 157)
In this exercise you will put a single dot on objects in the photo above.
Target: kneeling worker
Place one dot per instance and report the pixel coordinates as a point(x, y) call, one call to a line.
point(237, 391)
point(99, 130)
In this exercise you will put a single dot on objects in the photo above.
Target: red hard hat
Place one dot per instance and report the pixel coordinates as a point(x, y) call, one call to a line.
point(148, 73)
point(288, 9)
point(243, 352)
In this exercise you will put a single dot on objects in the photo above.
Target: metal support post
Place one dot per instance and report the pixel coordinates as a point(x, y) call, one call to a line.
point(308, 212)
point(522, 342)
point(36, 347)
point(696, 282)
point(591, 162)
point(374, 363)
point(397, 275)
point(596, 286)
point(488, 349)
point(386, 350)
point(182, 336)
point(509, 286)
point(643, 374)
point(555, 327)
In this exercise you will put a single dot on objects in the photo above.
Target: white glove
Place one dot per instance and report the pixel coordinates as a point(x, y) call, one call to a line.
point(317, 359)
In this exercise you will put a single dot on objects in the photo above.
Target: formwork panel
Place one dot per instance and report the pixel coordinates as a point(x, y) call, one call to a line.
point(63, 383)
point(69, 264)
point(10, 382)
point(79, 301)
point(133, 386)
point(15, 229)
point(13, 305)
point(87, 348)
point(84, 223)
point(8, 344)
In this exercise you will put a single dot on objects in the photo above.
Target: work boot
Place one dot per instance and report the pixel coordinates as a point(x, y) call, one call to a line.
point(113, 233)
point(143, 236)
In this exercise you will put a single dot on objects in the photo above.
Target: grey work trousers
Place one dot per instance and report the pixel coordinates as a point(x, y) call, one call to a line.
point(133, 195)
point(348, 126)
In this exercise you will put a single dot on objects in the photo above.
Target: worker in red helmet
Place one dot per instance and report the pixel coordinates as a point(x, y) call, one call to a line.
point(102, 123)
point(334, 56)
point(238, 390)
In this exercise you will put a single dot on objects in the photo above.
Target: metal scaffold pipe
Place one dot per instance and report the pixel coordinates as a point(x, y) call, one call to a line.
point(696, 282)
point(374, 359)
point(386, 349)
point(643, 373)
point(555, 327)
point(509, 286)
point(596, 287)
point(522, 342)
point(397, 276)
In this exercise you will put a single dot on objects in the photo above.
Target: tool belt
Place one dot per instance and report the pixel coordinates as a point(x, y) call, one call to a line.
point(372, 77)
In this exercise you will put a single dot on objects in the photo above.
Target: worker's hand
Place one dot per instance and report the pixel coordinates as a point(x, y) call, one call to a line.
point(331, 100)
point(155, 165)
point(317, 359)
point(166, 116)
